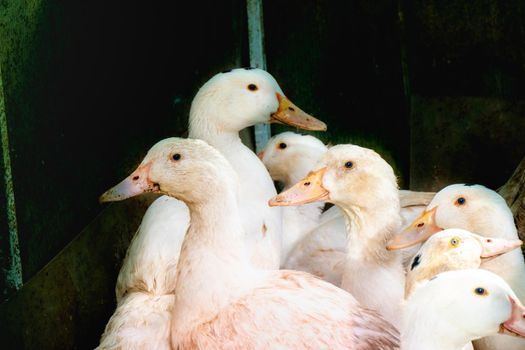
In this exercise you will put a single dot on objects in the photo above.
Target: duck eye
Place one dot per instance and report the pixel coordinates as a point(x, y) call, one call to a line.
point(349, 165)
point(252, 87)
point(176, 156)
point(481, 291)
point(454, 242)
point(417, 261)
point(283, 145)
point(460, 201)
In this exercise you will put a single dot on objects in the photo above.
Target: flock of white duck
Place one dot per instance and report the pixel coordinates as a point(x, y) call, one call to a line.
point(221, 261)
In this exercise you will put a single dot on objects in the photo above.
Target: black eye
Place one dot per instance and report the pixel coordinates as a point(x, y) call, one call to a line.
point(461, 201)
point(417, 261)
point(480, 291)
point(252, 87)
point(282, 145)
point(349, 165)
point(176, 156)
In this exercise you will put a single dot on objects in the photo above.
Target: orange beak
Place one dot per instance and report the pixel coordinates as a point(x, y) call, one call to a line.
point(308, 190)
point(419, 231)
point(135, 184)
point(290, 114)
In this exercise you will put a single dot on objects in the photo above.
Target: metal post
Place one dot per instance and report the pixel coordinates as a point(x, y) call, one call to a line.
point(14, 273)
point(257, 59)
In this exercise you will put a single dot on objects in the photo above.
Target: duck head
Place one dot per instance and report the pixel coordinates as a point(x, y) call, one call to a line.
point(454, 249)
point(234, 100)
point(289, 156)
point(179, 168)
point(347, 175)
point(464, 305)
point(471, 207)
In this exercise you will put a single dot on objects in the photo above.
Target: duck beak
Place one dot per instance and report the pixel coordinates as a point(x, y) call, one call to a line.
point(310, 189)
point(290, 114)
point(515, 325)
point(260, 155)
point(137, 183)
point(493, 247)
point(418, 231)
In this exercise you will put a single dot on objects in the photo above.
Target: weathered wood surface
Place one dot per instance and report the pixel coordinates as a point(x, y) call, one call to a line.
point(67, 304)
point(514, 193)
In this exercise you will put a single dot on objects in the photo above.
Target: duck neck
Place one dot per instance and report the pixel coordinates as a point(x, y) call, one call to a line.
point(369, 230)
point(420, 330)
point(500, 223)
point(261, 223)
point(217, 136)
point(212, 266)
point(369, 267)
point(255, 181)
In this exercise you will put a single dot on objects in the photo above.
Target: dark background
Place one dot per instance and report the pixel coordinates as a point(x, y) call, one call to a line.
point(437, 87)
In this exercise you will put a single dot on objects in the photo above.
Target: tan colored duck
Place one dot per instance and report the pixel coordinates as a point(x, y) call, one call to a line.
point(314, 242)
point(454, 249)
point(364, 187)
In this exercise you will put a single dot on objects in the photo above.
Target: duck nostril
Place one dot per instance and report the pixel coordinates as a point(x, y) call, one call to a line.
point(489, 240)
point(307, 183)
point(291, 109)
point(135, 178)
point(421, 224)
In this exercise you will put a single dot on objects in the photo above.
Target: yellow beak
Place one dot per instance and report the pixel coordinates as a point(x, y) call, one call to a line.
point(419, 231)
point(290, 114)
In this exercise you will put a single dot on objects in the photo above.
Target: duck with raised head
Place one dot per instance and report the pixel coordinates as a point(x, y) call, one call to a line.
point(221, 300)
point(363, 185)
point(478, 209)
point(457, 307)
point(224, 105)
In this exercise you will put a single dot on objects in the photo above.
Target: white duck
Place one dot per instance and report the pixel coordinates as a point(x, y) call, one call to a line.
point(477, 209)
point(364, 186)
point(453, 249)
point(289, 157)
point(223, 106)
point(457, 307)
point(221, 301)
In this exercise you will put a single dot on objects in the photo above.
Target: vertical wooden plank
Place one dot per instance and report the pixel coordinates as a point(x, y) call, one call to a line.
point(257, 59)
point(14, 273)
